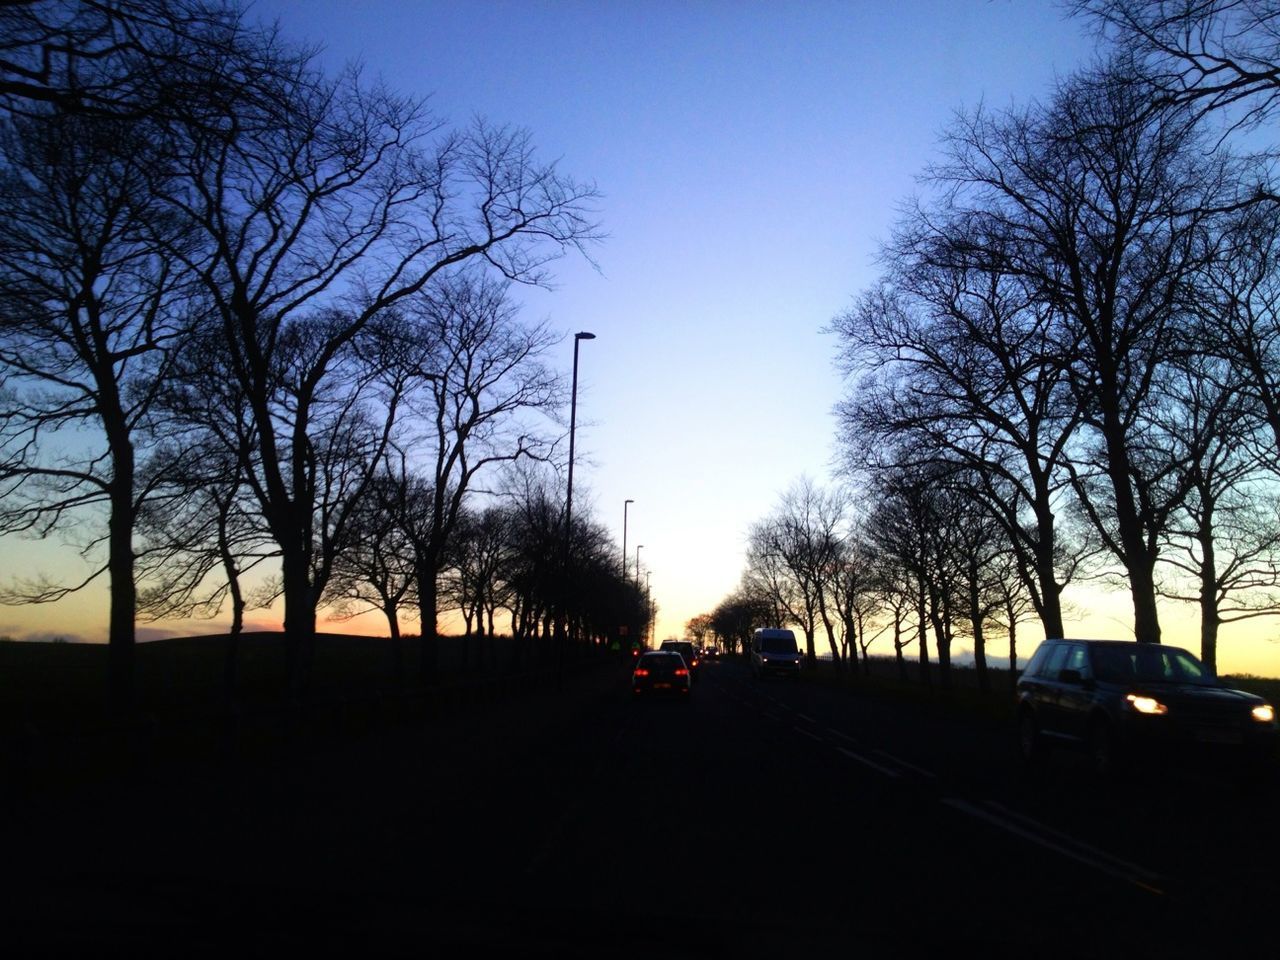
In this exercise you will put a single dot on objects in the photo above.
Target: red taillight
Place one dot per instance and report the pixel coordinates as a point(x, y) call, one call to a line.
point(681, 672)
point(641, 672)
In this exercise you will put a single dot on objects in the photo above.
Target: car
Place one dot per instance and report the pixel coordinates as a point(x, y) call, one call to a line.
point(687, 650)
point(774, 653)
point(660, 673)
point(1124, 702)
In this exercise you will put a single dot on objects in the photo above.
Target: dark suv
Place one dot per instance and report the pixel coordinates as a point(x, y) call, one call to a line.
point(1127, 701)
point(686, 649)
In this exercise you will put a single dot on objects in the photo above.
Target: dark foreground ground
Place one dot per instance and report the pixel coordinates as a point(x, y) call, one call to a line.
point(562, 819)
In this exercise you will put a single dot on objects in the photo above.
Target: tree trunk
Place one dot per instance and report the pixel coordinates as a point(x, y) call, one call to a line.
point(391, 610)
point(429, 637)
point(124, 595)
point(1050, 590)
point(975, 618)
point(1209, 617)
point(299, 620)
point(923, 620)
point(1139, 561)
point(1013, 651)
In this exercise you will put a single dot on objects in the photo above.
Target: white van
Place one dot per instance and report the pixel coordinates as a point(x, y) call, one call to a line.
point(774, 653)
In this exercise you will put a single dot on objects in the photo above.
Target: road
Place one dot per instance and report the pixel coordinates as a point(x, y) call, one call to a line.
point(759, 818)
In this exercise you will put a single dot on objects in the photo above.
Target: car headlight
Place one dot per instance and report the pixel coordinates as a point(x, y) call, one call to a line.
point(1147, 705)
point(1264, 713)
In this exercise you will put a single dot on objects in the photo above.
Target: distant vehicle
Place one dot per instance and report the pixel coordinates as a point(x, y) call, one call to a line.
point(774, 653)
point(659, 673)
point(687, 650)
point(1123, 702)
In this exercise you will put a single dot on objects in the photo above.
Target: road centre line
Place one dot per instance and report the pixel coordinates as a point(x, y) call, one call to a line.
point(1092, 858)
point(805, 719)
point(870, 763)
point(838, 733)
point(811, 736)
point(910, 766)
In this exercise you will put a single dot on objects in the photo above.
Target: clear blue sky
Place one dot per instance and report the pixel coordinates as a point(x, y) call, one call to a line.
point(751, 155)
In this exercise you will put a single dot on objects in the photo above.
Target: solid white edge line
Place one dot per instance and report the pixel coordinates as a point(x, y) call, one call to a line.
point(1141, 881)
point(870, 763)
point(1066, 838)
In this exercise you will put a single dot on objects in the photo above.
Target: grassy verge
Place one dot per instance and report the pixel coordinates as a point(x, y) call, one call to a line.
point(56, 730)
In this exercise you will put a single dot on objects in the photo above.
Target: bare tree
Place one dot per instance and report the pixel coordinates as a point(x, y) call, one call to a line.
point(91, 311)
point(738, 615)
point(374, 568)
point(324, 204)
point(1214, 55)
point(1223, 546)
point(957, 350)
point(483, 404)
point(1101, 205)
point(127, 59)
point(855, 596)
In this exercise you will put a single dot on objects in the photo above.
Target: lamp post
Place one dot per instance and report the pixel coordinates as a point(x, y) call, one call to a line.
point(568, 506)
point(625, 504)
point(639, 547)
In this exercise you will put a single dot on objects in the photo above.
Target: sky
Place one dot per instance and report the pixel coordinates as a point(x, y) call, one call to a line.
point(750, 157)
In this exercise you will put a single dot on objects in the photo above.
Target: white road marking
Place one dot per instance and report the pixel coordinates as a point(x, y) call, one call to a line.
point(870, 763)
point(909, 766)
point(1060, 843)
point(811, 736)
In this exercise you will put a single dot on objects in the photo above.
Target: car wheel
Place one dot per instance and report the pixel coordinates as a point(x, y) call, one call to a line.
point(1030, 743)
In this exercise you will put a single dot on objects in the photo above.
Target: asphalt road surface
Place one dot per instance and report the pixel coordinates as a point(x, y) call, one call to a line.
point(768, 818)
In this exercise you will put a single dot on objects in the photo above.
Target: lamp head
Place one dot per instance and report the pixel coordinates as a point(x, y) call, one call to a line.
point(583, 335)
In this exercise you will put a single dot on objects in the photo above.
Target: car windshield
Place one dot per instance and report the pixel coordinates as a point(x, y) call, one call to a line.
point(661, 661)
point(1148, 664)
point(777, 645)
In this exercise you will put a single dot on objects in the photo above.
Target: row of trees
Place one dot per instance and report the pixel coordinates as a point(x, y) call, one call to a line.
point(250, 311)
point(1069, 366)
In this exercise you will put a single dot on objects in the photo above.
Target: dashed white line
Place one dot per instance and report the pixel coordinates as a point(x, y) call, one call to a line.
point(870, 763)
point(843, 736)
point(909, 766)
point(807, 733)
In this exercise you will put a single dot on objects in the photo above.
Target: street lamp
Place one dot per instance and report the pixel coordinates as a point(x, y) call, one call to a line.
point(568, 498)
point(625, 504)
point(639, 547)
